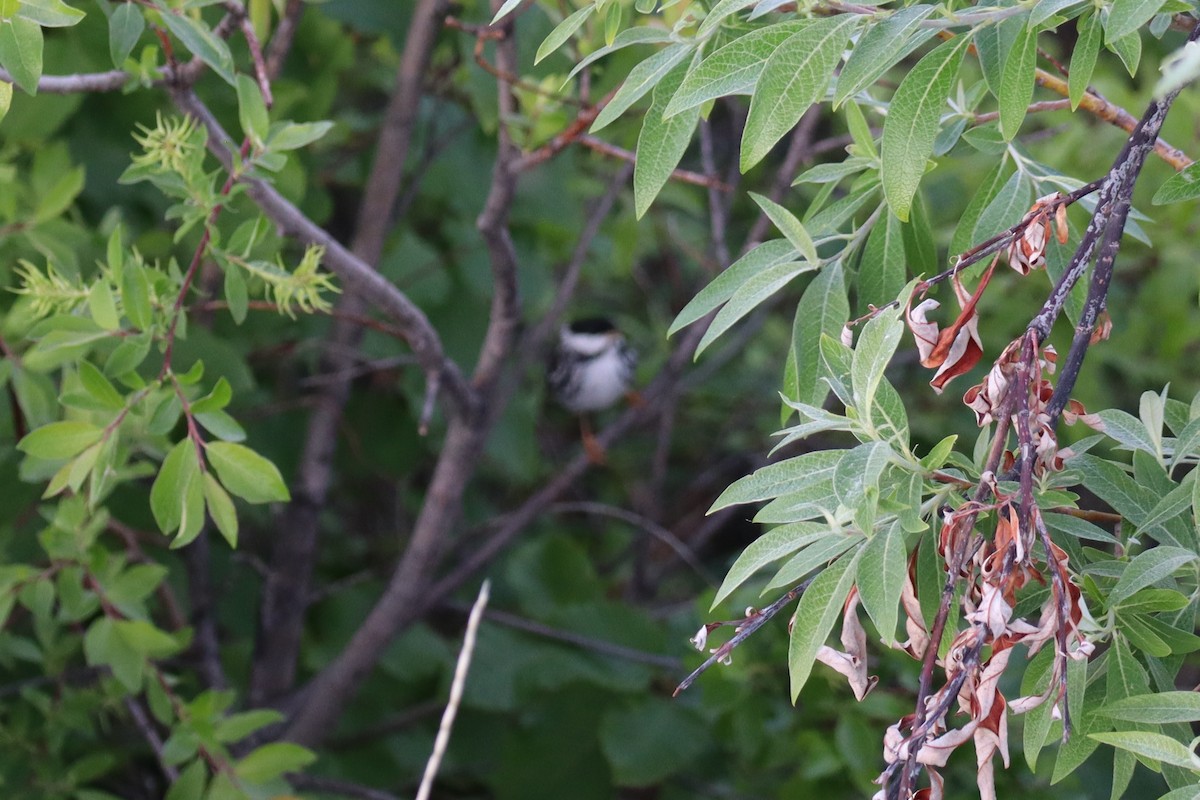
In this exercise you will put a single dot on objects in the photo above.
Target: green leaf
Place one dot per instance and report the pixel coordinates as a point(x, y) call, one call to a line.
point(1149, 568)
point(819, 608)
point(884, 45)
point(235, 294)
point(190, 783)
point(882, 569)
point(563, 31)
point(1184, 185)
point(135, 296)
point(995, 43)
point(125, 27)
point(630, 36)
point(734, 68)
point(981, 198)
point(872, 353)
point(1151, 745)
point(169, 491)
point(505, 10)
point(202, 42)
point(1125, 17)
point(294, 135)
point(252, 110)
point(221, 425)
point(662, 141)
point(57, 198)
point(215, 400)
point(272, 760)
point(793, 79)
point(1154, 708)
point(612, 21)
point(770, 547)
point(858, 471)
point(220, 508)
point(60, 440)
point(98, 386)
point(789, 226)
point(1006, 209)
point(912, 122)
point(1126, 429)
point(21, 51)
point(883, 268)
point(722, 10)
point(51, 13)
point(784, 477)
point(6, 92)
point(815, 556)
point(1045, 9)
point(1174, 503)
point(103, 307)
point(750, 295)
point(642, 78)
point(145, 639)
point(1129, 50)
point(1016, 84)
point(246, 473)
point(1083, 57)
point(822, 309)
point(236, 727)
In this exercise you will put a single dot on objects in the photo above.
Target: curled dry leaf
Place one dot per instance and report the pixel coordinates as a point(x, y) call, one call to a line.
point(853, 662)
point(956, 349)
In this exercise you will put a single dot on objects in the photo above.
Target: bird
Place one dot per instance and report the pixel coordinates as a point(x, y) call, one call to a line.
point(591, 368)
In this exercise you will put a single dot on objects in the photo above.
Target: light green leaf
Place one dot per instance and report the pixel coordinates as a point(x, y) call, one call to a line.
point(858, 471)
point(1125, 17)
point(1129, 50)
point(563, 31)
point(252, 110)
point(190, 783)
point(6, 93)
point(1148, 568)
point(202, 42)
point(882, 569)
point(750, 295)
point(734, 68)
point(1155, 708)
point(99, 387)
point(1083, 57)
point(169, 491)
point(630, 36)
point(1181, 186)
point(1005, 210)
point(994, 43)
point(872, 353)
point(125, 27)
point(793, 79)
point(51, 13)
point(642, 78)
point(272, 760)
point(294, 135)
point(819, 608)
point(246, 473)
point(784, 477)
point(816, 555)
point(884, 45)
point(912, 122)
point(220, 508)
point(1174, 503)
point(822, 309)
point(662, 141)
point(771, 546)
point(1016, 84)
point(103, 307)
point(145, 639)
point(1045, 9)
point(221, 425)
point(981, 198)
point(60, 440)
point(1151, 745)
point(719, 12)
point(1126, 429)
point(883, 268)
point(21, 51)
point(789, 226)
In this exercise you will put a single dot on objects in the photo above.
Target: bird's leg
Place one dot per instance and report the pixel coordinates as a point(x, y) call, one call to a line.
point(595, 450)
point(635, 399)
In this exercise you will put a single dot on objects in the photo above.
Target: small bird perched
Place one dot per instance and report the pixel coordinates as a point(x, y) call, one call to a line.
point(590, 370)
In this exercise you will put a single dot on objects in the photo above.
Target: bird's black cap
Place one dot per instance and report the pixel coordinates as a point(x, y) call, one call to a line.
point(592, 325)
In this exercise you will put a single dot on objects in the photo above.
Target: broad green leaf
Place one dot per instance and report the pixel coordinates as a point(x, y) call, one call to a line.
point(883, 268)
point(125, 27)
point(562, 32)
point(246, 473)
point(884, 45)
point(750, 295)
point(1148, 568)
point(734, 68)
point(1126, 429)
point(1181, 186)
point(822, 309)
point(215, 400)
point(858, 471)
point(773, 480)
point(60, 440)
point(981, 198)
point(642, 78)
point(145, 638)
point(1016, 84)
point(1129, 50)
point(872, 353)
point(793, 79)
point(1045, 9)
point(236, 727)
point(1155, 746)
point(220, 508)
point(169, 491)
point(58, 197)
point(294, 135)
point(21, 51)
point(272, 760)
point(221, 425)
point(252, 110)
point(1154, 708)
point(789, 226)
point(190, 783)
point(1125, 17)
point(819, 608)
point(103, 307)
point(662, 141)
point(1083, 57)
point(771, 546)
point(880, 578)
point(722, 10)
point(912, 122)
point(51, 13)
point(202, 42)
point(99, 387)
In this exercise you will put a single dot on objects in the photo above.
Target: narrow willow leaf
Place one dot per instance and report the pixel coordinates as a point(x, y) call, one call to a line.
point(822, 309)
point(883, 267)
point(750, 295)
point(884, 45)
point(1148, 568)
point(912, 122)
point(202, 42)
point(630, 36)
point(1035, 681)
point(859, 471)
point(771, 546)
point(880, 578)
point(612, 22)
point(734, 68)
point(815, 556)
point(505, 10)
point(984, 192)
point(872, 353)
point(773, 480)
point(642, 78)
point(1016, 85)
point(1129, 49)
point(252, 109)
point(1157, 707)
point(1006, 209)
point(1083, 57)
point(1181, 186)
point(221, 509)
point(1045, 9)
point(662, 141)
point(1172, 505)
point(789, 226)
point(1126, 429)
point(793, 79)
point(995, 43)
point(819, 608)
point(562, 32)
point(1155, 746)
point(722, 10)
point(766, 255)
point(1127, 16)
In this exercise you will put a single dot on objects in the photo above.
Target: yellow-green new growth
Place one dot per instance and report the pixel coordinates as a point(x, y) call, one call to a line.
point(171, 145)
point(50, 291)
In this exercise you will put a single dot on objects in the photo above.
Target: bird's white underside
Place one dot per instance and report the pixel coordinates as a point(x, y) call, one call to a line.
point(602, 382)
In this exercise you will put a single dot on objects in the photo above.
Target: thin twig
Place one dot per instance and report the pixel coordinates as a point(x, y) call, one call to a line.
point(142, 720)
